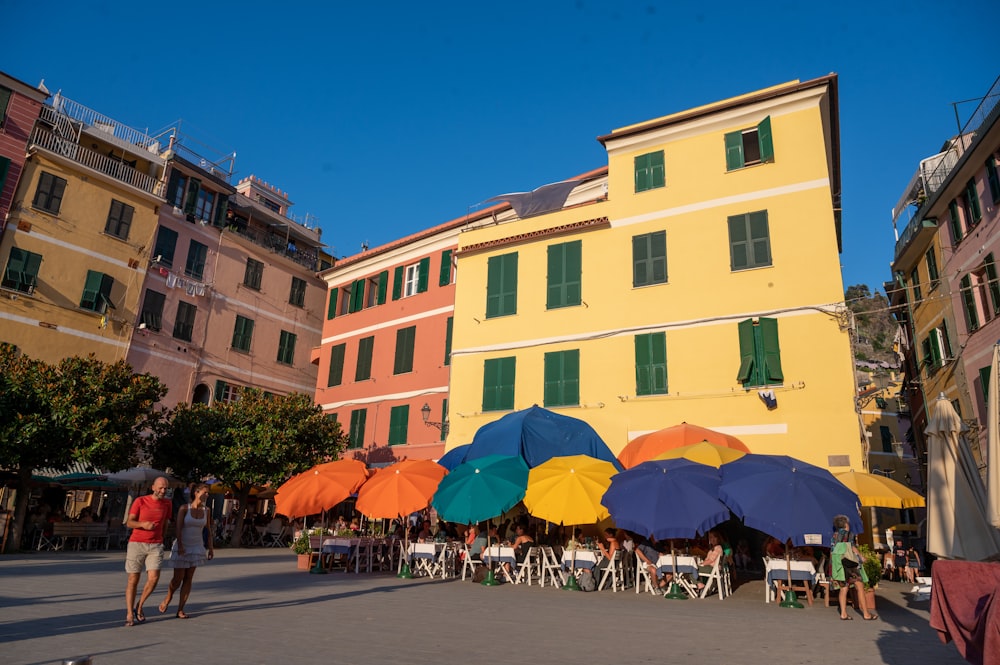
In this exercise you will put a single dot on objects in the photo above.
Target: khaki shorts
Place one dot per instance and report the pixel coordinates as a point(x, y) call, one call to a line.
point(139, 554)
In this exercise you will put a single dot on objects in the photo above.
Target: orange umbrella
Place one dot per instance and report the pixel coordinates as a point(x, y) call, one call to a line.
point(648, 446)
point(320, 488)
point(400, 489)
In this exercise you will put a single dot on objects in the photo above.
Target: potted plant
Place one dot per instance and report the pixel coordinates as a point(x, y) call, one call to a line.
point(303, 549)
point(872, 563)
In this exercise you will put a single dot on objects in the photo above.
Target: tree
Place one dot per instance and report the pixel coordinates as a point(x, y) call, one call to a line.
point(80, 410)
point(255, 440)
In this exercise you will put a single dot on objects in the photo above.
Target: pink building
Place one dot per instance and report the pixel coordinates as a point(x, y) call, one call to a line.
point(231, 298)
point(20, 105)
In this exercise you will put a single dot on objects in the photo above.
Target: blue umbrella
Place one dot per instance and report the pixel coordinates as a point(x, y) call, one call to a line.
point(454, 457)
point(787, 498)
point(537, 435)
point(481, 489)
point(672, 498)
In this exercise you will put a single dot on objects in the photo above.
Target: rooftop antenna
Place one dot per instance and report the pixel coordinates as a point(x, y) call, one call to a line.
point(364, 246)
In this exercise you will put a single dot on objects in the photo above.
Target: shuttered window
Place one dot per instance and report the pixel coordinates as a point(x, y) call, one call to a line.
point(405, 340)
point(991, 279)
point(915, 285)
point(166, 244)
point(969, 302)
point(195, 266)
point(993, 178)
point(286, 348)
point(253, 274)
point(331, 306)
point(151, 315)
point(954, 221)
point(501, 285)
point(649, 171)
point(357, 433)
point(297, 293)
point(760, 355)
point(447, 340)
point(21, 273)
point(336, 374)
point(242, 333)
point(649, 259)
point(184, 323)
point(932, 269)
point(49, 193)
point(383, 285)
point(97, 292)
point(399, 417)
point(444, 279)
point(562, 378)
point(363, 371)
point(498, 384)
point(972, 203)
point(651, 364)
point(749, 146)
point(564, 275)
point(119, 219)
point(749, 241)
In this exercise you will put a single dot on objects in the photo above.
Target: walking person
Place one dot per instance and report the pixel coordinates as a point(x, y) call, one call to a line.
point(846, 569)
point(147, 517)
point(189, 550)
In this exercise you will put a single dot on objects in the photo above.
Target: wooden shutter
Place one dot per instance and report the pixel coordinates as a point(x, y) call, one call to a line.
point(991, 281)
point(494, 271)
point(491, 384)
point(991, 176)
point(760, 240)
point(975, 211)
point(739, 243)
point(984, 379)
point(564, 274)
point(423, 271)
point(92, 291)
point(765, 141)
point(363, 370)
point(175, 177)
point(642, 182)
point(4, 165)
point(221, 207)
point(772, 353)
point(405, 338)
point(445, 277)
point(935, 348)
point(383, 285)
point(444, 418)
point(447, 339)
point(192, 195)
point(746, 369)
point(734, 151)
point(397, 283)
point(398, 419)
point(956, 224)
point(357, 295)
point(969, 299)
point(643, 380)
point(357, 434)
point(336, 375)
point(331, 308)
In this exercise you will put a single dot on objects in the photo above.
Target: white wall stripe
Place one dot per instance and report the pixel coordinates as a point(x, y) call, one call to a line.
point(357, 332)
point(65, 330)
point(439, 390)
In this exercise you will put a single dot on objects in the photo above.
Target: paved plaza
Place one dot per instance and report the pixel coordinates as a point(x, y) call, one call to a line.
point(252, 606)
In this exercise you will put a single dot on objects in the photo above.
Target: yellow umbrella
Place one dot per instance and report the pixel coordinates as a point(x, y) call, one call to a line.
point(879, 491)
point(704, 452)
point(568, 490)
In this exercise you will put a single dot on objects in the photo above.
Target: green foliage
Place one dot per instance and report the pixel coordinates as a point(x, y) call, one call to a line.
point(301, 544)
point(873, 565)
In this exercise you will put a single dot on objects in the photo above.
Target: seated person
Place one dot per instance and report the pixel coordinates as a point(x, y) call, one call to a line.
point(608, 552)
point(647, 556)
point(522, 543)
point(355, 526)
point(773, 548)
point(478, 543)
point(576, 542)
point(713, 555)
point(340, 525)
point(425, 535)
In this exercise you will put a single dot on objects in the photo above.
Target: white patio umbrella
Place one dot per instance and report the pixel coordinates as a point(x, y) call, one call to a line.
point(993, 439)
point(957, 526)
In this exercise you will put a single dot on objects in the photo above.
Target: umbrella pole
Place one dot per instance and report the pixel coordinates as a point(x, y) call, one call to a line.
point(404, 572)
point(791, 600)
point(318, 569)
point(491, 578)
point(675, 592)
point(571, 583)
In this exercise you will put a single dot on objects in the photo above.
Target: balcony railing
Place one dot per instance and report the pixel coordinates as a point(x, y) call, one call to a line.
point(276, 243)
point(92, 118)
point(115, 168)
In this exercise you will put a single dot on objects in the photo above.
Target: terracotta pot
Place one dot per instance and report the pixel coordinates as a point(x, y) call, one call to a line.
point(303, 562)
point(870, 599)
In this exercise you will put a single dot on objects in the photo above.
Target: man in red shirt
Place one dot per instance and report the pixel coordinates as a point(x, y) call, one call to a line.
point(147, 517)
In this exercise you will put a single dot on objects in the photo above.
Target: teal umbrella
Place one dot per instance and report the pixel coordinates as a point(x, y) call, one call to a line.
point(481, 489)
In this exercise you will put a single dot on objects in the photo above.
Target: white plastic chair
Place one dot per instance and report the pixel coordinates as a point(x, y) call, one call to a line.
point(469, 564)
point(642, 576)
point(530, 567)
point(614, 572)
point(552, 568)
point(717, 578)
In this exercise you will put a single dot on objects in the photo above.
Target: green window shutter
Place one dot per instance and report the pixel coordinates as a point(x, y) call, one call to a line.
point(447, 339)
point(746, 336)
point(4, 165)
point(444, 418)
point(765, 140)
point(357, 295)
point(220, 210)
point(992, 283)
point(739, 243)
point(498, 384)
point(984, 380)
point(494, 269)
point(657, 172)
point(286, 348)
point(928, 357)
point(398, 420)
point(192, 195)
point(220, 390)
point(5, 95)
point(445, 277)
point(357, 433)
point(564, 267)
point(991, 176)
point(945, 340)
point(956, 224)
point(405, 338)
point(969, 299)
point(363, 370)
point(649, 259)
point(562, 378)
point(501, 285)
point(383, 285)
point(336, 375)
point(397, 283)
point(734, 151)
point(242, 333)
point(772, 353)
point(760, 240)
point(649, 171)
point(973, 198)
point(643, 378)
point(915, 284)
point(175, 177)
point(423, 271)
point(650, 364)
point(935, 349)
point(92, 291)
point(331, 308)
point(642, 181)
point(932, 269)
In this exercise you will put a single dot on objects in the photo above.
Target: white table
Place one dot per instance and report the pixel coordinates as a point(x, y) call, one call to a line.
point(426, 557)
point(776, 571)
point(499, 557)
point(583, 558)
point(687, 571)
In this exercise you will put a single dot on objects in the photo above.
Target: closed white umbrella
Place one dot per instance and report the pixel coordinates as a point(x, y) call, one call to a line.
point(140, 475)
point(993, 439)
point(957, 525)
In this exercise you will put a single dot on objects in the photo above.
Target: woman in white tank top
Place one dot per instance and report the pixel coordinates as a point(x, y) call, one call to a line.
point(189, 550)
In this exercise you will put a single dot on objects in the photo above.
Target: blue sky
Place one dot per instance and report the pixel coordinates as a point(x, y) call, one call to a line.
point(381, 119)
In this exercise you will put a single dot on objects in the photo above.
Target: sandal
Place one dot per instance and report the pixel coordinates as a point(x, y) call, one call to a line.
point(873, 617)
point(129, 622)
point(139, 616)
point(182, 615)
point(847, 618)
point(163, 607)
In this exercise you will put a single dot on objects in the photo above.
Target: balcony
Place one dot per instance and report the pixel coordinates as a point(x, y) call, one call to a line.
point(278, 244)
point(115, 168)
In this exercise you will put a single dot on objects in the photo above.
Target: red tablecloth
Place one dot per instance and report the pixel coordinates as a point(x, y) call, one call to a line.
point(965, 607)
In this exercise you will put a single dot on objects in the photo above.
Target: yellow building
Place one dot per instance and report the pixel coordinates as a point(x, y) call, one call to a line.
point(83, 219)
point(701, 283)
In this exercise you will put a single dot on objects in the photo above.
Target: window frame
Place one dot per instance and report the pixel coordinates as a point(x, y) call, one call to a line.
point(405, 345)
point(501, 285)
point(746, 220)
point(151, 313)
point(650, 363)
point(649, 171)
point(119, 225)
point(736, 143)
point(647, 258)
point(562, 378)
point(184, 321)
point(399, 420)
point(49, 193)
point(242, 334)
point(161, 249)
point(286, 348)
point(564, 274)
point(363, 367)
point(197, 256)
point(98, 287)
point(253, 274)
point(297, 292)
point(23, 275)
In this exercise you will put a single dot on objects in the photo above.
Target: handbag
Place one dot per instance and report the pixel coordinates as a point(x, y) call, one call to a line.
point(850, 558)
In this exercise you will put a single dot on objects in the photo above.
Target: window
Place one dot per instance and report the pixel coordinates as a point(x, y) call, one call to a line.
point(954, 222)
point(286, 348)
point(297, 294)
point(562, 378)
point(4, 164)
point(363, 370)
point(357, 433)
point(205, 204)
point(749, 146)
point(227, 392)
point(21, 273)
point(498, 384)
point(501, 285)
point(119, 219)
point(651, 364)
point(376, 289)
point(990, 273)
point(886, 435)
point(336, 375)
point(881, 403)
point(984, 380)
point(649, 259)
point(331, 307)
point(447, 339)
point(399, 417)
point(405, 338)
point(445, 278)
point(915, 285)
point(166, 243)
point(345, 300)
point(416, 278)
point(221, 209)
point(444, 418)
point(242, 334)
point(969, 304)
point(383, 286)
point(49, 193)
point(649, 171)
point(760, 356)
point(5, 95)
point(191, 201)
point(195, 267)
point(253, 274)
point(932, 269)
point(152, 310)
point(564, 268)
point(936, 348)
point(970, 204)
point(749, 241)
point(357, 295)
point(97, 292)
point(175, 189)
point(993, 178)
point(184, 323)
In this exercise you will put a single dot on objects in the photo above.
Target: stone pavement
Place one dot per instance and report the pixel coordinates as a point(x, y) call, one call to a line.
point(252, 606)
